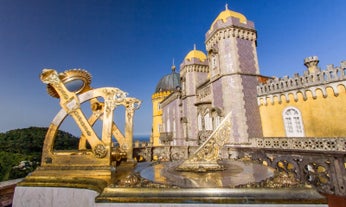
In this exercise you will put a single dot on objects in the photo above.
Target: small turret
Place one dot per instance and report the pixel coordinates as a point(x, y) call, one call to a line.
point(311, 63)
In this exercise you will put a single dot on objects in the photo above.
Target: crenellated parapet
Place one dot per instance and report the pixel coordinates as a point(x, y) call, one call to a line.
point(212, 38)
point(194, 68)
point(311, 81)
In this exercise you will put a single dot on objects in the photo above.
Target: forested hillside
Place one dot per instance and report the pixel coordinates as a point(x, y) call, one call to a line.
point(21, 149)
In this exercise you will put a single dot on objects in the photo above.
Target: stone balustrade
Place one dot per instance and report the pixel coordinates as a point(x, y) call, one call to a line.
point(319, 162)
point(325, 145)
point(203, 93)
point(299, 143)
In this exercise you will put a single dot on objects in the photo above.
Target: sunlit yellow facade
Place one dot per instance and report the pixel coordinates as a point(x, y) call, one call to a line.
point(322, 116)
point(157, 116)
point(317, 98)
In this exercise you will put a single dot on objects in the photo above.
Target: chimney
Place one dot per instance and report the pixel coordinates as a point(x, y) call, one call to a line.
point(311, 63)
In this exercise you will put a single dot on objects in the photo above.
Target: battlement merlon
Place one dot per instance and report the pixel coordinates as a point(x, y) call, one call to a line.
point(231, 27)
point(194, 65)
point(309, 79)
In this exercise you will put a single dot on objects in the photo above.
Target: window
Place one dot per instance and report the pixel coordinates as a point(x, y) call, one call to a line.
point(213, 58)
point(185, 130)
point(213, 62)
point(293, 122)
point(208, 121)
point(217, 121)
point(199, 120)
point(174, 129)
point(168, 126)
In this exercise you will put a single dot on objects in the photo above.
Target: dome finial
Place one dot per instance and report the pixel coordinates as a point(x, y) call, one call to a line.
point(173, 66)
point(226, 6)
point(194, 46)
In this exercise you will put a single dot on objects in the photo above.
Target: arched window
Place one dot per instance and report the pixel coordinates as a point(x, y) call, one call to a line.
point(168, 126)
point(217, 121)
point(293, 122)
point(208, 121)
point(213, 61)
point(174, 129)
point(199, 122)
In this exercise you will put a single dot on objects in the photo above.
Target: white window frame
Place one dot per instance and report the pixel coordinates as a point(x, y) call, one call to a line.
point(168, 126)
point(199, 122)
point(208, 121)
point(293, 122)
point(217, 121)
point(174, 129)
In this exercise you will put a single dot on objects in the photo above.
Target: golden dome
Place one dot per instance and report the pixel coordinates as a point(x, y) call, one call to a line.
point(224, 15)
point(196, 54)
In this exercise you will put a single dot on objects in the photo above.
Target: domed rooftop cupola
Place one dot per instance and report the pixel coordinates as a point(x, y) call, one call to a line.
point(229, 24)
point(195, 54)
point(170, 82)
point(224, 15)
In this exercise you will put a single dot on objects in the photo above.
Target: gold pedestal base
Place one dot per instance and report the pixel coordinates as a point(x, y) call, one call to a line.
point(126, 185)
point(211, 195)
point(95, 179)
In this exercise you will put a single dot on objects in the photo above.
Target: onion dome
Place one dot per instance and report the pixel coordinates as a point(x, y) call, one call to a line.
point(195, 54)
point(170, 82)
point(224, 15)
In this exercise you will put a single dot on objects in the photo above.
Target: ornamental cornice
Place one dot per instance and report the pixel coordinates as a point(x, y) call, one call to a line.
point(194, 68)
point(228, 32)
point(173, 96)
point(324, 144)
point(160, 94)
point(286, 95)
point(332, 77)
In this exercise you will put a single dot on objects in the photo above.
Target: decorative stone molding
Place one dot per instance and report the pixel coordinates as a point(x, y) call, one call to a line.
point(179, 153)
point(332, 77)
point(232, 31)
point(307, 144)
point(161, 153)
point(160, 94)
point(203, 136)
point(203, 93)
point(193, 62)
point(172, 97)
point(194, 68)
point(322, 170)
point(317, 162)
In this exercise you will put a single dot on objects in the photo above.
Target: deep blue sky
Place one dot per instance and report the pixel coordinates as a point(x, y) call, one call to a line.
point(130, 44)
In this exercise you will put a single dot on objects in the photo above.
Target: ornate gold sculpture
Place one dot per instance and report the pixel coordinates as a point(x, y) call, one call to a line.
point(73, 88)
point(94, 167)
point(206, 157)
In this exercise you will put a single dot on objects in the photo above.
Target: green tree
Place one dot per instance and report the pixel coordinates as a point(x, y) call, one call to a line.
point(26, 145)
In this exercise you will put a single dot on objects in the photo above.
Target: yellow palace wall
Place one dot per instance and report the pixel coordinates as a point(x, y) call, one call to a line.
point(322, 116)
point(157, 116)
